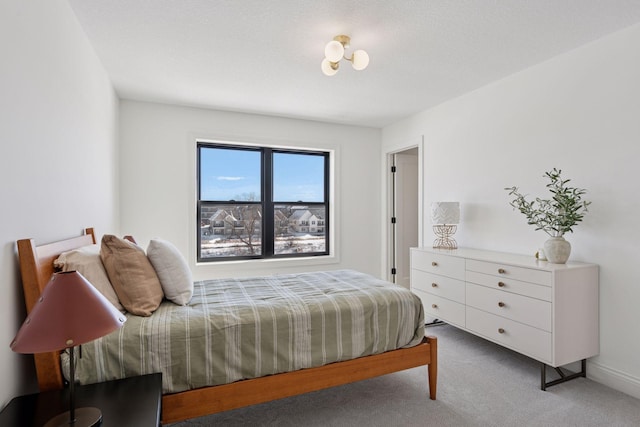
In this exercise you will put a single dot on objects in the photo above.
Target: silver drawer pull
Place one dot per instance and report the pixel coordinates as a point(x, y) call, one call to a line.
point(434, 305)
point(434, 285)
point(434, 264)
point(500, 331)
point(501, 304)
point(501, 271)
point(501, 284)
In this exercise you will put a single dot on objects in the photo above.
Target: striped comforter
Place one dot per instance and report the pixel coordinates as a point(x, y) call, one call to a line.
point(243, 328)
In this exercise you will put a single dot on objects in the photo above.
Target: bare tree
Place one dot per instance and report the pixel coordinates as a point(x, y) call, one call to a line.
point(247, 197)
point(245, 224)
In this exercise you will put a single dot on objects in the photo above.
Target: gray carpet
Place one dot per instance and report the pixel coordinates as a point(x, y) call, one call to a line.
point(479, 384)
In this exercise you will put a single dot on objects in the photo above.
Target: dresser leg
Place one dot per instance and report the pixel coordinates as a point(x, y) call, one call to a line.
point(434, 323)
point(563, 377)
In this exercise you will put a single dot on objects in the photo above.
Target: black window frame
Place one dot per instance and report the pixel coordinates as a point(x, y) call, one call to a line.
point(266, 201)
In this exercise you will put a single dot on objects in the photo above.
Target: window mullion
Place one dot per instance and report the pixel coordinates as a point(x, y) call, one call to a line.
point(268, 232)
point(327, 189)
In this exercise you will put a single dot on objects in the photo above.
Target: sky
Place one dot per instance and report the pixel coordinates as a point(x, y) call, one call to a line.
point(227, 174)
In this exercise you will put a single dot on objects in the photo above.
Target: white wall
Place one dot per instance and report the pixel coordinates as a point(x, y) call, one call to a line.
point(579, 112)
point(58, 164)
point(157, 170)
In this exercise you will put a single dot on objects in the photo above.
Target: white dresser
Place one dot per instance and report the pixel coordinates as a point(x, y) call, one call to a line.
point(546, 311)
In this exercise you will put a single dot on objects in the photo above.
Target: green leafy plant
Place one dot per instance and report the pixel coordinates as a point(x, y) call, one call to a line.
point(557, 215)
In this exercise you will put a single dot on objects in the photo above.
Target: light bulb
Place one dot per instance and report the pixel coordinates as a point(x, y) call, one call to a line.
point(327, 68)
point(360, 60)
point(334, 51)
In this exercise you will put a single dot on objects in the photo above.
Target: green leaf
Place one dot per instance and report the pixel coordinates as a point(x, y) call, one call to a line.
point(557, 215)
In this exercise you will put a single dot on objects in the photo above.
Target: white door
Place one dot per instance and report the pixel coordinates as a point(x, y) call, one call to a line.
point(405, 202)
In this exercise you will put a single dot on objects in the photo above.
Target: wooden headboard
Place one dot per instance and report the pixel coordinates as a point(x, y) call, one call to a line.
point(36, 268)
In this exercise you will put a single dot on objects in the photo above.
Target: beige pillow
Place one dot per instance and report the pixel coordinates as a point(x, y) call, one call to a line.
point(172, 270)
point(86, 260)
point(132, 275)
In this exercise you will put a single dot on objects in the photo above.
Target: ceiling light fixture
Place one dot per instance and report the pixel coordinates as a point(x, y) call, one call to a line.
point(334, 52)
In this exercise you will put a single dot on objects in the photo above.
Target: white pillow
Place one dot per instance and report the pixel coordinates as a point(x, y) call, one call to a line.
point(172, 270)
point(86, 260)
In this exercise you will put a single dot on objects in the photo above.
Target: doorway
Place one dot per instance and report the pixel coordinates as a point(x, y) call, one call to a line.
point(405, 211)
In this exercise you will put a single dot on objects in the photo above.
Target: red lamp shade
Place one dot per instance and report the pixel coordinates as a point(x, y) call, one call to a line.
point(70, 312)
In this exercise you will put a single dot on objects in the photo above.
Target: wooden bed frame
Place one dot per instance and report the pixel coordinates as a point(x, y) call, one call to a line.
point(36, 266)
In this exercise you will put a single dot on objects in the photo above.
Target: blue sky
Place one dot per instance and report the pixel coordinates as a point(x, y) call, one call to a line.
point(234, 174)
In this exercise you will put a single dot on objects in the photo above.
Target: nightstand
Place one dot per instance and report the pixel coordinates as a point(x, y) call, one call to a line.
point(134, 402)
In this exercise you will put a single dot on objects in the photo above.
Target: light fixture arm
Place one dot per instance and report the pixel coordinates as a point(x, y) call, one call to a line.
point(345, 41)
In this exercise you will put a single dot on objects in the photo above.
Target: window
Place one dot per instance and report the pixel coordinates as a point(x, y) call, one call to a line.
point(261, 202)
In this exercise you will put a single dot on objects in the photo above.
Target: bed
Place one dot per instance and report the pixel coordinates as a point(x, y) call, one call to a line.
point(183, 402)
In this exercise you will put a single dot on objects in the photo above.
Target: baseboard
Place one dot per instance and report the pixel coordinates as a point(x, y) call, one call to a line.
point(613, 378)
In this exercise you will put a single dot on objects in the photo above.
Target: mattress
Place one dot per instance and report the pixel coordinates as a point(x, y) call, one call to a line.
point(242, 328)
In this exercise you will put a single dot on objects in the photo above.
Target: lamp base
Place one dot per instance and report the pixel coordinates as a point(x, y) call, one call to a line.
point(85, 417)
point(444, 239)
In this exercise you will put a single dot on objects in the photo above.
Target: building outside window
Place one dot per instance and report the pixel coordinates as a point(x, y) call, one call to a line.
point(261, 202)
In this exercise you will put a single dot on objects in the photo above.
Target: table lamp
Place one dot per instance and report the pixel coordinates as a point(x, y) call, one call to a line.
point(69, 312)
point(445, 216)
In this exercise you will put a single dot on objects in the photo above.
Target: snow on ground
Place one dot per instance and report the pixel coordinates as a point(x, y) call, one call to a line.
point(303, 243)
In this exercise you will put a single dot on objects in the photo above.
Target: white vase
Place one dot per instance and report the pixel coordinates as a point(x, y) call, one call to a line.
point(557, 250)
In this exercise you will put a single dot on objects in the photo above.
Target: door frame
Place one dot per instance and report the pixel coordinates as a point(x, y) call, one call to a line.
point(388, 243)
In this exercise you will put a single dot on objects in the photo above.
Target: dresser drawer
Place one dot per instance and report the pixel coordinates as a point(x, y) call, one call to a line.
point(444, 265)
point(521, 338)
point(530, 311)
point(540, 277)
point(506, 284)
point(435, 284)
point(442, 308)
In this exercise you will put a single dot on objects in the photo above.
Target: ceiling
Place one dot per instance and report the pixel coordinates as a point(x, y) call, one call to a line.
point(263, 56)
